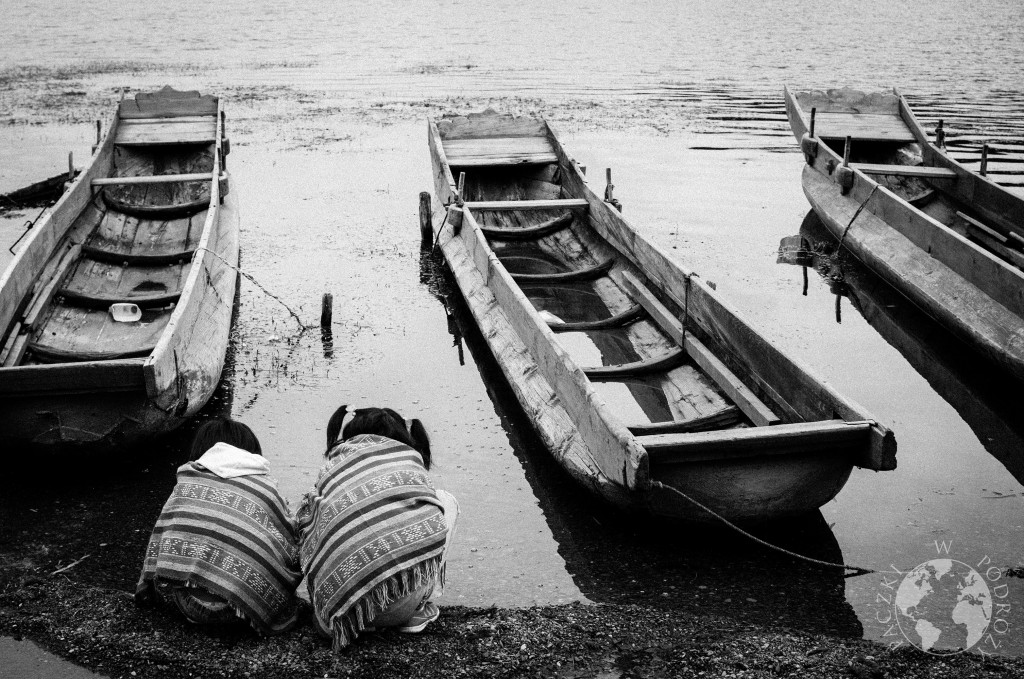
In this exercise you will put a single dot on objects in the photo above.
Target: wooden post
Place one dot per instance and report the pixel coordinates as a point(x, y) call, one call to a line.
point(814, 111)
point(71, 166)
point(839, 309)
point(984, 160)
point(805, 280)
point(460, 195)
point(326, 312)
point(609, 196)
point(846, 151)
point(940, 135)
point(426, 229)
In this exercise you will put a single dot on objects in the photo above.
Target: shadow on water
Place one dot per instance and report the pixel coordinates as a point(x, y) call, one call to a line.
point(614, 557)
point(988, 401)
point(95, 508)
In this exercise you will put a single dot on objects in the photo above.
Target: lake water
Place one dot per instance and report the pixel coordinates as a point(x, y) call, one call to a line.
point(683, 99)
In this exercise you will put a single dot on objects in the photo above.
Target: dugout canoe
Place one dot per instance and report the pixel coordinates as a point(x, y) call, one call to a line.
point(149, 224)
point(641, 382)
point(950, 240)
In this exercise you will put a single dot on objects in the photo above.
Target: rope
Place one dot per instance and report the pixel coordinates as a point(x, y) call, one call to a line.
point(302, 326)
point(855, 215)
point(857, 570)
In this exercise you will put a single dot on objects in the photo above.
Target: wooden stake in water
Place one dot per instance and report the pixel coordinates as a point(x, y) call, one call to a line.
point(984, 160)
point(326, 312)
point(940, 135)
point(425, 226)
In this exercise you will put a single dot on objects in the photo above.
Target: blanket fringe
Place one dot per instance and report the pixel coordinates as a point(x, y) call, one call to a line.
point(345, 627)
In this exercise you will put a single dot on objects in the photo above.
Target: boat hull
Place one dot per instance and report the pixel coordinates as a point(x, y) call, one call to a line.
point(100, 399)
point(755, 474)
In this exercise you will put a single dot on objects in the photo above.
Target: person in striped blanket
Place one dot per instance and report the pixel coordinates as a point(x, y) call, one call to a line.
point(224, 548)
point(374, 531)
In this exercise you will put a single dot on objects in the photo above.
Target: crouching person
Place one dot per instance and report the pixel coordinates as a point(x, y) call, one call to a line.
point(374, 532)
point(224, 549)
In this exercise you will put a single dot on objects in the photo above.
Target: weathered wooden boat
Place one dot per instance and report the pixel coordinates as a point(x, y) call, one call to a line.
point(640, 380)
point(950, 240)
point(987, 398)
point(116, 311)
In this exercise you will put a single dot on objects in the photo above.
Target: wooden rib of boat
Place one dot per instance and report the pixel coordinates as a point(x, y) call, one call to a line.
point(950, 240)
point(639, 379)
point(147, 224)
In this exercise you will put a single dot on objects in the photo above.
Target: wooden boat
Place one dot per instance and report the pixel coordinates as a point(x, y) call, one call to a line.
point(639, 379)
point(950, 240)
point(116, 311)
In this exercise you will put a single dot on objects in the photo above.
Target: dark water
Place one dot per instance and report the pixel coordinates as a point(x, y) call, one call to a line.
point(684, 101)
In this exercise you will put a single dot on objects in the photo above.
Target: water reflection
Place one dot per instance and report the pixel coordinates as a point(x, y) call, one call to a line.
point(986, 398)
point(615, 557)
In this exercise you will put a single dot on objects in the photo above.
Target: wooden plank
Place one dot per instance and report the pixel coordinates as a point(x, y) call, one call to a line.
point(90, 377)
point(529, 232)
point(570, 203)
point(43, 297)
point(759, 413)
point(655, 364)
point(829, 438)
point(155, 179)
point(623, 317)
point(444, 182)
point(723, 419)
point(905, 170)
point(173, 131)
point(992, 233)
point(886, 127)
point(9, 344)
point(476, 126)
point(498, 151)
point(16, 353)
point(588, 273)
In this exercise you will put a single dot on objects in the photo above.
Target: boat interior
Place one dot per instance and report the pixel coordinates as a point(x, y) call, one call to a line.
point(654, 375)
point(884, 145)
point(111, 285)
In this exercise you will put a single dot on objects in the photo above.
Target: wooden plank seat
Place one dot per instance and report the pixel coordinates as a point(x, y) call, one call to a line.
point(672, 358)
point(499, 151)
point(622, 318)
point(529, 232)
point(554, 203)
point(155, 179)
point(45, 354)
point(905, 170)
point(834, 437)
point(98, 284)
point(729, 416)
point(157, 132)
point(887, 127)
point(586, 274)
point(74, 334)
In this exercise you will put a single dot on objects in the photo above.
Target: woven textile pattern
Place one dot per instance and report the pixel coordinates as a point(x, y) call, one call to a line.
point(372, 531)
point(232, 537)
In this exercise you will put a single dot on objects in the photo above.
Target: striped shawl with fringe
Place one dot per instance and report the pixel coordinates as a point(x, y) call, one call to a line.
point(372, 531)
point(232, 537)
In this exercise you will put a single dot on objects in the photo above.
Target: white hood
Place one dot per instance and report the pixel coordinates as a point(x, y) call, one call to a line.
point(227, 461)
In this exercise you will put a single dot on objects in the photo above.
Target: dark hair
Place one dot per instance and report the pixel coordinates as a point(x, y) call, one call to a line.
point(224, 430)
point(382, 422)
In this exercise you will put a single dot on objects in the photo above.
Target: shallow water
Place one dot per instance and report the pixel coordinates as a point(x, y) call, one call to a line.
point(684, 101)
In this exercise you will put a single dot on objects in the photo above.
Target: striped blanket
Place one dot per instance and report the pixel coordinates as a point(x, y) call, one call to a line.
point(234, 538)
point(372, 532)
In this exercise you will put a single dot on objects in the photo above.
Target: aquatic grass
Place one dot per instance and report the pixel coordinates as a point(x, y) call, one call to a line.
point(35, 73)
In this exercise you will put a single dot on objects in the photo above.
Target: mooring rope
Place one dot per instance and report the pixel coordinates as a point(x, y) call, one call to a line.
point(857, 570)
point(855, 215)
point(302, 326)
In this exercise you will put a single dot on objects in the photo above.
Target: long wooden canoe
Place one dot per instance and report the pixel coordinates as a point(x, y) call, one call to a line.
point(147, 224)
point(950, 240)
point(639, 379)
